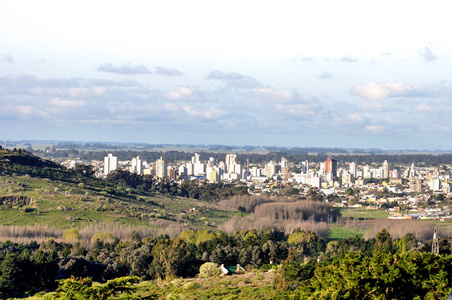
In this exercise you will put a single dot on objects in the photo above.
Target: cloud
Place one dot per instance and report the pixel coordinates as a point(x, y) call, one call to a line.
point(424, 108)
point(235, 80)
point(381, 91)
point(375, 129)
point(7, 57)
point(206, 113)
point(325, 75)
point(72, 91)
point(427, 55)
point(348, 58)
point(124, 69)
point(168, 72)
point(179, 93)
point(66, 103)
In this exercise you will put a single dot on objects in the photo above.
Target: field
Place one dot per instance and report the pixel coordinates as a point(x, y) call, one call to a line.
point(364, 214)
point(342, 232)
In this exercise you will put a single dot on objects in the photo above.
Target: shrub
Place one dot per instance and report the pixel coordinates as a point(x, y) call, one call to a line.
point(209, 269)
point(105, 237)
point(191, 285)
point(71, 235)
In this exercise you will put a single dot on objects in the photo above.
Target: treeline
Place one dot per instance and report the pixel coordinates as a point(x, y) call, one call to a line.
point(384, 275)
point(188, 189)
point(284, 213)
point(29, 268)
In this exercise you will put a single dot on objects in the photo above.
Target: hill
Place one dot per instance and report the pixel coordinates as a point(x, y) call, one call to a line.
point(40, 193)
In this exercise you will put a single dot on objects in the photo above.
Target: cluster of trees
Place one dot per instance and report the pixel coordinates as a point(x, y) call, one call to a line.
point(29, 268)
point(188, 189)
point(380, 268)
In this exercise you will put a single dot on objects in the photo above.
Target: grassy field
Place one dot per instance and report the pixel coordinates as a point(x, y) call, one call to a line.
point(363, 214)
point(341, 232)
point(63, 205)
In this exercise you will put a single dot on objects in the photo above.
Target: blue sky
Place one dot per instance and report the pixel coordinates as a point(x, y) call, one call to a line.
point(293, 73)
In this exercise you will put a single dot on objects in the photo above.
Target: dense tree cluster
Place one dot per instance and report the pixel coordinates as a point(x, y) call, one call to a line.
point(308, 261)
point(189, 189)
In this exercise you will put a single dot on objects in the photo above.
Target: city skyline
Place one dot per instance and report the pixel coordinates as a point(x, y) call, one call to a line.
point(324, 74)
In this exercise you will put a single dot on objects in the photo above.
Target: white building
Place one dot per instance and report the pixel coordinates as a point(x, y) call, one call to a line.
point(137, 165)
point(110, 163)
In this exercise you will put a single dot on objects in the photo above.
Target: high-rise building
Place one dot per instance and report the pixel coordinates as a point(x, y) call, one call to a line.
point(415, 184)
point(385, 168)
point(233, 169)
point(412, 171)
point(110, 163)
point(331, 166)
point(270, 169)
point(285, 168)
point(137, 165)
point(347, 178)
point(353, 168)
point(160, 168)
point(171, 171)
point(198, 167)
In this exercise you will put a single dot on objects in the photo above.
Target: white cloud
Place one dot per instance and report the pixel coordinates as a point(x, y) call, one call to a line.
point(375, 129)
point(325, 75)
point(440, 128)
point(355, 118)
point(168, 72)
point(427, 54)
point(7, 57)
point(73, 91)
point(381, 91)
point(66, 103)
point(207, 113)
point(349, 59)
point(180, 93)
point(124, 69)
point(423, 108)
point(235, 80)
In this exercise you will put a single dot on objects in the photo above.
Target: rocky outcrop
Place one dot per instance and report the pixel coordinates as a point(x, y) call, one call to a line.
point(16, 200)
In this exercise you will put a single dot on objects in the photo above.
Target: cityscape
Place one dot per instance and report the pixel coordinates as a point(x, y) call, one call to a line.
point(409, 192)
point(228, 150)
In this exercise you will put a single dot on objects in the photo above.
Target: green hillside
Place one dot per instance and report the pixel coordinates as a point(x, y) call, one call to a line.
point(34, 191)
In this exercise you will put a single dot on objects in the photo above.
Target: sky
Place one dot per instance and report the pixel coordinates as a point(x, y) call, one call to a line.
point(352, 74)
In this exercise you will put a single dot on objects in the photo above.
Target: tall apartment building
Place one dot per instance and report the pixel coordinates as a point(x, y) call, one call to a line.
point(230, 162)
point(331, 166)
point(137, 165)
point(385, 168)
point(110, 163)
point(353, 168)
point(171, 171)
point(160, 168)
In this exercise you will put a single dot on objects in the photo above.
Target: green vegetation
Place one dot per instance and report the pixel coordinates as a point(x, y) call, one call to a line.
point(38, 192)
point(340, 232)
point(133, 237)
point(363, 214)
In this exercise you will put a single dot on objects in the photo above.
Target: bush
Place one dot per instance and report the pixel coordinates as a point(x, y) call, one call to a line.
point(209, 269)
point(105, 237)
point(71, 235)
point(191, 285)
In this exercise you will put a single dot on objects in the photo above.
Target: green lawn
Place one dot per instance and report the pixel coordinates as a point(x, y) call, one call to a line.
point(363, 214)
point(340, 232)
